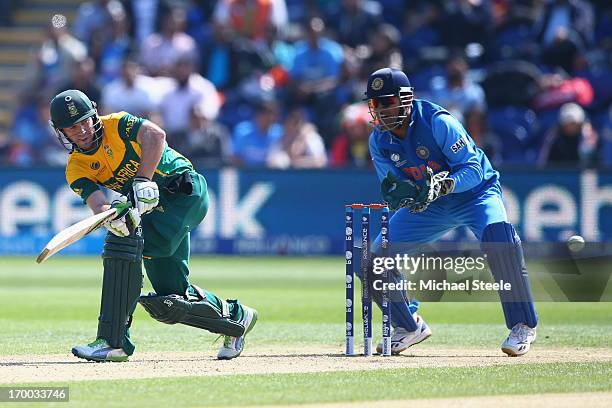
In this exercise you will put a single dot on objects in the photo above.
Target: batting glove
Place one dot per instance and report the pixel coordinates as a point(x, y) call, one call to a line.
point(146, 194)
point(127, 219)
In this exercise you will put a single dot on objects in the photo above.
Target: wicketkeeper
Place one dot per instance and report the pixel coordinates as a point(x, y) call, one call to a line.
point(438, 179)
point(162, 198)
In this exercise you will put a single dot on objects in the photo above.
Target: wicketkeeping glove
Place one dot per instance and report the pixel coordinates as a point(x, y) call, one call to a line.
point(127, 219)
point(146, 194)
point(436, 186)
point(398, 193)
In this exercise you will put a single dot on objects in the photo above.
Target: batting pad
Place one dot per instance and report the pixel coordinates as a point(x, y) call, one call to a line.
point(172, 309)
point(122, 259)
point(505, 255)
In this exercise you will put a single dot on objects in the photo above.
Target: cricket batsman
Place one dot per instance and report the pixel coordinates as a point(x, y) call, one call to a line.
point(437, 179)
point(161, 199)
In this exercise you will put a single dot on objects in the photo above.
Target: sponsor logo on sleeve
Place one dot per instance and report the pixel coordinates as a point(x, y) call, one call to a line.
point(130, 124)
point(459, 144)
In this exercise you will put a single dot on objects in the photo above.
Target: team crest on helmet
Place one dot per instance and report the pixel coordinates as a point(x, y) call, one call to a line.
point(95, 165)
point(72, 109)
point(422, 152)
point(377, 84)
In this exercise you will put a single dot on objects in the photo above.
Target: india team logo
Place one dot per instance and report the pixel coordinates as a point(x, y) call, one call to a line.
point(395, 157)
point(377, 84)
point(422, 152)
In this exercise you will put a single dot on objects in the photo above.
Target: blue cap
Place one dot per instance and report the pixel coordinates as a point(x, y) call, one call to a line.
point(386, 82)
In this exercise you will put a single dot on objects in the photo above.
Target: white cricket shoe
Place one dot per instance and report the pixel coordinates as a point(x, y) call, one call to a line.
point(401, 338)
point(100, 351)
point(518, 341)
point(232, 346)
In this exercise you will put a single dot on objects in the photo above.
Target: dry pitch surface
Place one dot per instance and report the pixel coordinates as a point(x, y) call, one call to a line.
point(65, 367)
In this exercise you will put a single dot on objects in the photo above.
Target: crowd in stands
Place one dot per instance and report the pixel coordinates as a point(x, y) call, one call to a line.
point(280, 83)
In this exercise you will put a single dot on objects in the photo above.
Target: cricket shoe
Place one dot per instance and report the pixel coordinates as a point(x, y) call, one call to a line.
point(100, 351)
point(233, 346)
point(518, 341)
point(402, 338)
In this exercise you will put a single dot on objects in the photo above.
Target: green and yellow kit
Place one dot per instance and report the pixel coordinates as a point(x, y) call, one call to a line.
point(183, 200)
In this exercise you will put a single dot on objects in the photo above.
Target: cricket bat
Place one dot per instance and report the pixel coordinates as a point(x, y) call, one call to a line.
point(75, 232)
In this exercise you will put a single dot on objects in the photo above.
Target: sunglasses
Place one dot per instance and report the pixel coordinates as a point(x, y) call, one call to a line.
point(384, 101)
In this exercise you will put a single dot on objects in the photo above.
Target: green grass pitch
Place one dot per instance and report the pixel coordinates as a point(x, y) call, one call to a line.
point(46, 309)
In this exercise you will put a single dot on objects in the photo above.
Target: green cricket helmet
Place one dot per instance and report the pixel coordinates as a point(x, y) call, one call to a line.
point(69, 108)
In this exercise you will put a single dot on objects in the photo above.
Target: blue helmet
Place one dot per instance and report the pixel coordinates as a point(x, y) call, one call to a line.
point(386, 87)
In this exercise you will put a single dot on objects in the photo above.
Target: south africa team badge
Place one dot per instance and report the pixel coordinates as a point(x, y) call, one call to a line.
point(108, 150)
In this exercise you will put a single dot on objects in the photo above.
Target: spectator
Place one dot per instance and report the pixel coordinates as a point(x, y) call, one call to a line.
point(573, 141)
point(384, 50)
point(130, 93)
point(561, 16)
point(249, 18)
point(467, 21)
point(355, 21)
point(563, 51)
point(189, 89)
point(53, 60)
point(145, 17)
point(207, 142)
point(113, 51)
point(350, 148)
point(230, 59)
point(300, 147)
point(315, 74)
point(423, 27)
point(94, 17)
point(83, 78)
point(160, 51)
point(34, 141)
point(253, 139)
point(282, 51)
point(457, 93)
point(512, 83)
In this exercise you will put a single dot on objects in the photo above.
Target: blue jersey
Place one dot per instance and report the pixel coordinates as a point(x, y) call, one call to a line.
point(436, 139)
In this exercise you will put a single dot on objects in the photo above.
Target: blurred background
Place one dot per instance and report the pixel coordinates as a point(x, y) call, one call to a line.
point(265, 98)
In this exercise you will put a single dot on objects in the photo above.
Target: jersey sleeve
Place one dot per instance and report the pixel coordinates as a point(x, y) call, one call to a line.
point(382, 164)
point(79, 181)
point(459, 150)
point(128, 126)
